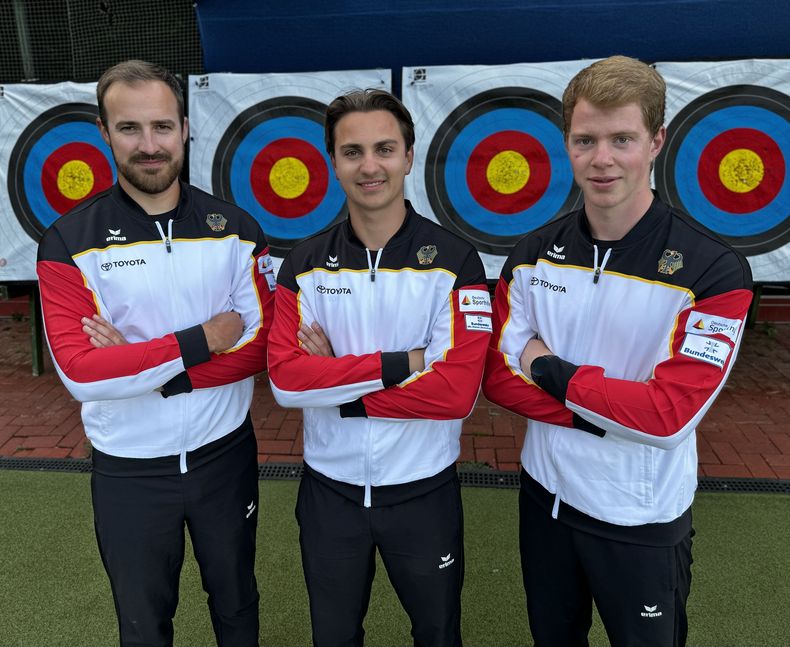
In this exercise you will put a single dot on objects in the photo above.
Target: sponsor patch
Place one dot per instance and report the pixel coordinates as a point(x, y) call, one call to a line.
point(706, 349)
point(266, 267)
point(701, 324)
point(479, 322)
point(474, 301)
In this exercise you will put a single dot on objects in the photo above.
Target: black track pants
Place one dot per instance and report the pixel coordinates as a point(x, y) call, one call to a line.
point(140, 530)
point(421, 545)
point(640, 591)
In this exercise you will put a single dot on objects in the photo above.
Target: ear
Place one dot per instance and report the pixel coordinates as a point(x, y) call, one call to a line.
point(409, 159)
point(185, 131)
point(657, 143)
point(334, 164)
point(104, 134)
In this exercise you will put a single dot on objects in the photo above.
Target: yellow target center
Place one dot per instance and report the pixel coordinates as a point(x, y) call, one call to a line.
point(289, 177)
point(75, 179)
point(741, 170)
point(507, 172)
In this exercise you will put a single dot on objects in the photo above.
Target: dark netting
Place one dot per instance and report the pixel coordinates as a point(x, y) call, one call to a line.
point(76, 40)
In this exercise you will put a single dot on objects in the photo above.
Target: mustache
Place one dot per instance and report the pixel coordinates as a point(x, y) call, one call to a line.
point(156, 157)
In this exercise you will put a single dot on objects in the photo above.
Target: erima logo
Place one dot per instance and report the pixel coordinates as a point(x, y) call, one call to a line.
point(651, 612)
point(446, 560)
point(115, 234)
point(322, 289)
point(108, 266)
point(250, 509)
point(546, 284)
point(332, 262)
point(557, 253)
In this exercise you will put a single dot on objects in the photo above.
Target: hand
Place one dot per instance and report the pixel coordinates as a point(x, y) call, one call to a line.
point(314, 340)
point(417, 360)
point(534, 348)
point(223, 331)
point(101, 333)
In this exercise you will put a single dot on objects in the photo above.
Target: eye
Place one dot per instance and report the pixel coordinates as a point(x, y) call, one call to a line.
point(127, 129)
point(351, 153)
point(622, 140)
point(583, 141)
point(385, 150)
point(162, 128)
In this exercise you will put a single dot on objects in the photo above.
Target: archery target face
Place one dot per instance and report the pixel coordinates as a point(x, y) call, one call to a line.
point(58, 161)
point(724, 163)
point(497, 167)
point(269, 157)
point(490, 162)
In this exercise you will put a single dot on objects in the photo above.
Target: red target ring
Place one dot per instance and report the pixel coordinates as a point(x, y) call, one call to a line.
point(741, 170)
point(508, 172)
point(73, 173)
point(299, 196)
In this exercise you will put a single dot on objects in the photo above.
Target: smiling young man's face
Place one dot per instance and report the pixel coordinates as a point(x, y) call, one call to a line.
point(611, 152)
point(371, 161)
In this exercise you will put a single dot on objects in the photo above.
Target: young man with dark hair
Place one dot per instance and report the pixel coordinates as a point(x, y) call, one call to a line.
point(615, 327)
point(157, 300)
point(381, 325)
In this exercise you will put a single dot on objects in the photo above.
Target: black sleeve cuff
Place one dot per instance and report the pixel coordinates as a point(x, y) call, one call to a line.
point(194, 347)
point(394, 368)
point(586, 425)
point(552, 374)
point(355, 409)
point(176, 385)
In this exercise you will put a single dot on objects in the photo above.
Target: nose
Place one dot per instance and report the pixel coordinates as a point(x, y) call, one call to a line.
point(367, 164)
point(602, 155)
point(148, 143)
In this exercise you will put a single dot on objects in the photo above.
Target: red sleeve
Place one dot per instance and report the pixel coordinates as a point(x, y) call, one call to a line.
point(97, 373)
point(504, 382)
point(302, 380)
point(666, 408)
point(448, 387)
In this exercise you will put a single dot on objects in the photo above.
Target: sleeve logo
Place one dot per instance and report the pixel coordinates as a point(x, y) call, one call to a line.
point(479, 323)
point(706, 349)
point(474, 301)
point(700, 323)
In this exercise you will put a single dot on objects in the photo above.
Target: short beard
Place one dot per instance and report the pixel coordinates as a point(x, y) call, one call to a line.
point(147, 182)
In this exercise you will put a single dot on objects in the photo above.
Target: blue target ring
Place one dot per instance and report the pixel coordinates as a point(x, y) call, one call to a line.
point(78, 131)
point(701, 124)
point(690, 191)
point(254, 129)
point(491, 123)
point(485, 115)
point(68, 124)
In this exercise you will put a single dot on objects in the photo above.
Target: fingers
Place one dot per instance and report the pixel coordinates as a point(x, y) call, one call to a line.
point(314, 340)
point(102, 334)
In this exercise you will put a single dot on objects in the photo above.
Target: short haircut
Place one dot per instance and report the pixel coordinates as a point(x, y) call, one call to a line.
point(615, 82)
point(367, 101)
point(133, 72)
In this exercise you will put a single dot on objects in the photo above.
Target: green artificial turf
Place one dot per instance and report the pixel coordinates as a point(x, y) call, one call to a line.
point(54, 593)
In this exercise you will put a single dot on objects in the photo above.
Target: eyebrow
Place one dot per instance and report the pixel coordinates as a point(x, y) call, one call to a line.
point(156, 122)
point(383, 142)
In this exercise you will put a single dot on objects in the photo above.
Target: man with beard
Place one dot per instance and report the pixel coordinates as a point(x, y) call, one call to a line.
point(157, 300)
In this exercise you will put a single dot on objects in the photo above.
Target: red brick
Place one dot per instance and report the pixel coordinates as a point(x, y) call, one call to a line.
point(777, 460)
point(32, 442)
point(783, 472)
point(75, 437)
point(727, 471)
point(781, 440)
point(707, 456)
point(727, 455)
point(288, 430)
point(475, 430)
point(49, 452)
point(284, 458)
point(6, 433)
point(11, 447)
point(494, 441)
point(275, 446)
point(486, 456)
point(274, 420)
point(467, 455)
point(82, 450)
point(757, 466)
point(502, 426)
point(266, 434)
point(33, 430)
point(512, 455)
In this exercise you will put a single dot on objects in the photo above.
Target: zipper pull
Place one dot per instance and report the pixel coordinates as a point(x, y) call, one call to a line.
point(168, 247)
point(372, 274)
point(596, 275)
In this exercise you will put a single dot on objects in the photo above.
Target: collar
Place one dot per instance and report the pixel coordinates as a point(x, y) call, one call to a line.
point(644, 227)
point(134, 209)
point(408, 225)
